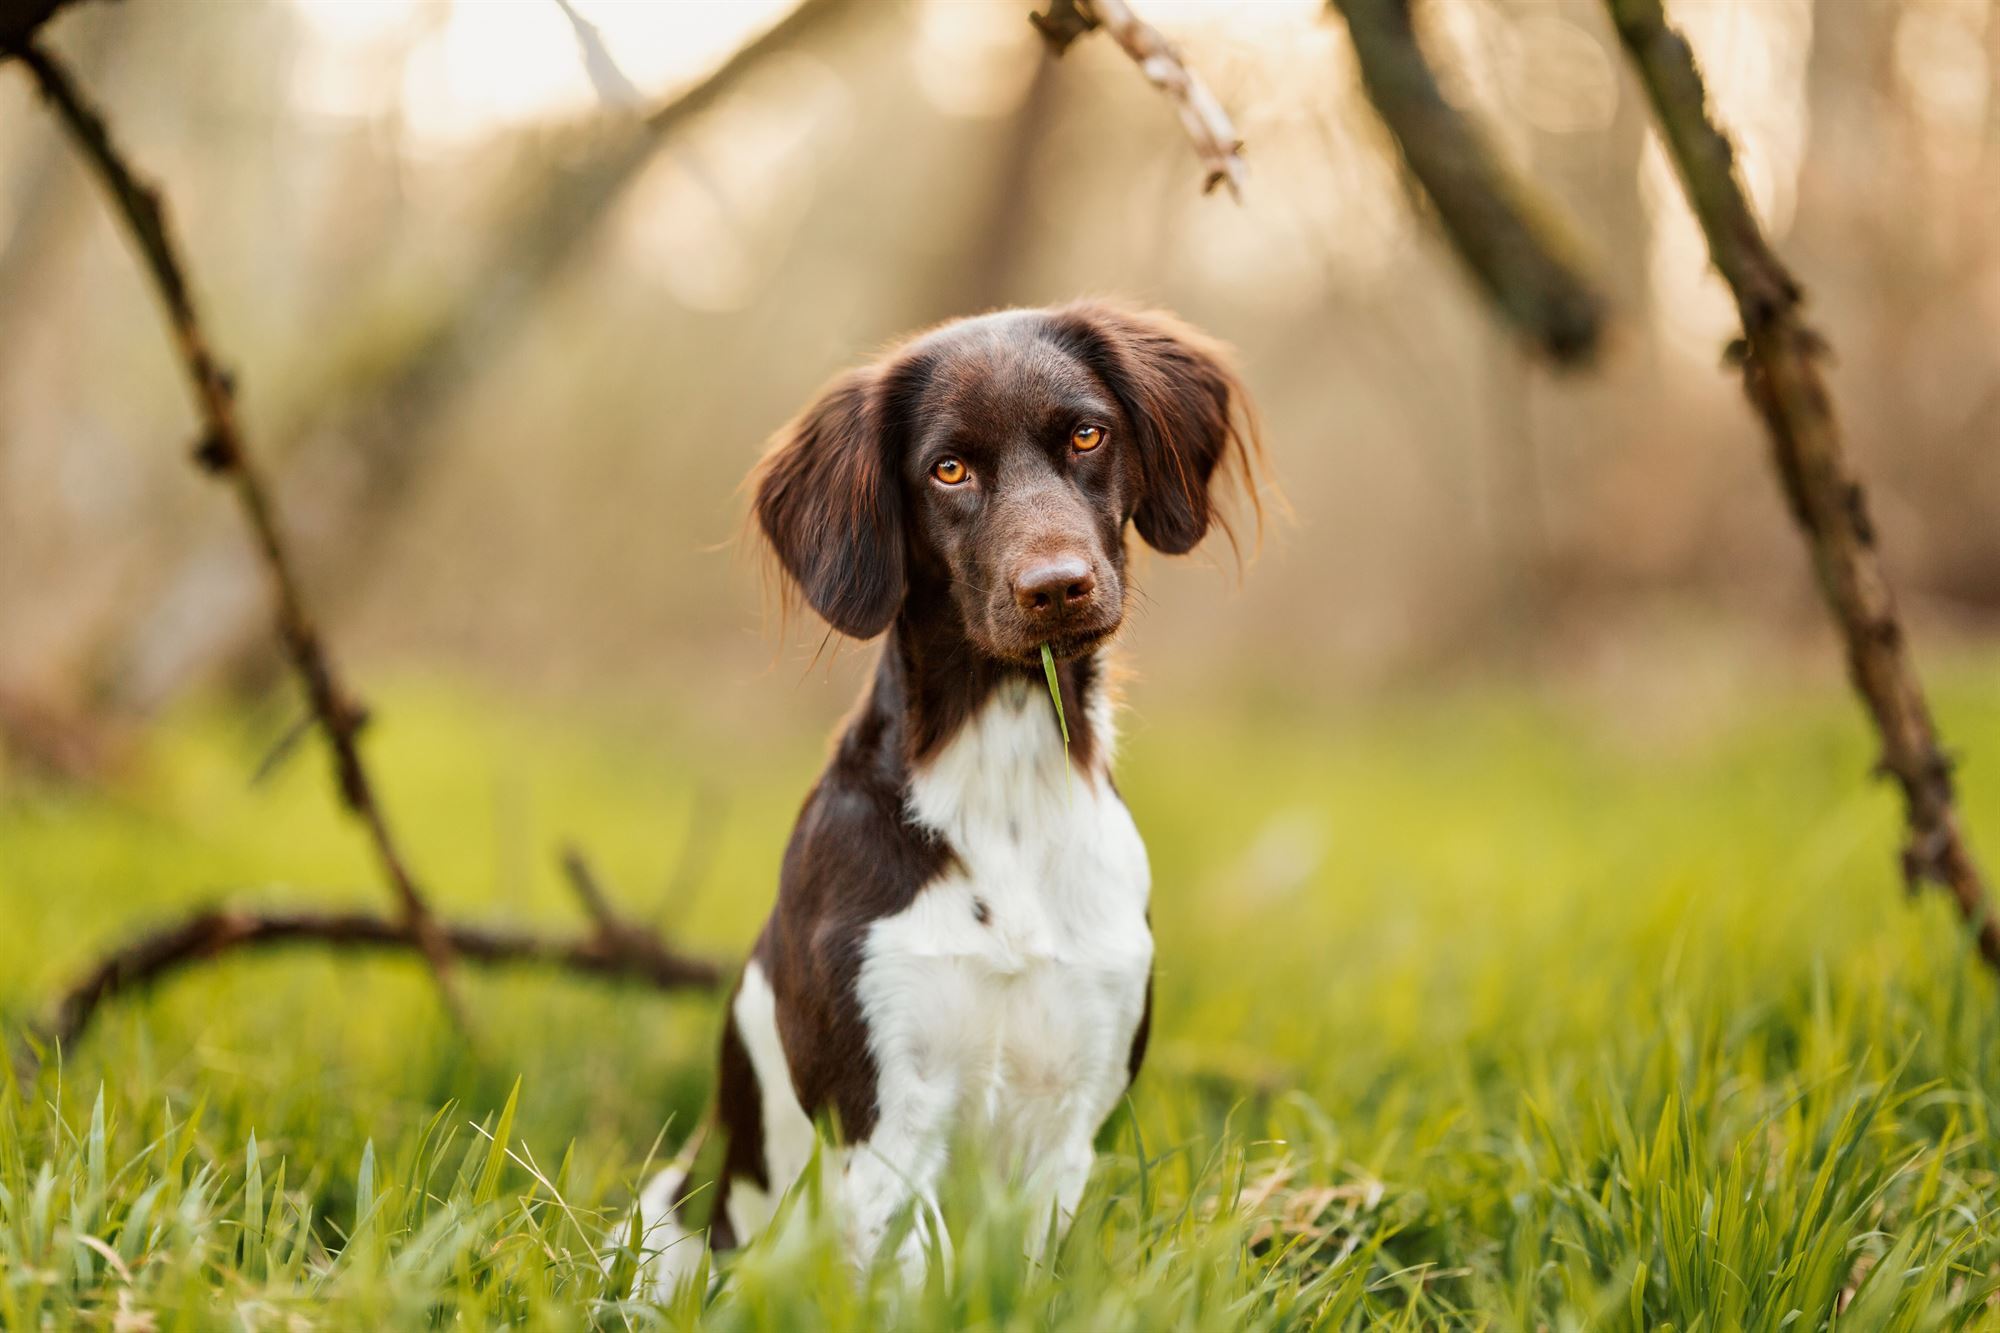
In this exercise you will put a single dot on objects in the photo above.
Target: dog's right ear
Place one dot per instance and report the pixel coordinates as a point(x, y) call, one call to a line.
point(831, 507)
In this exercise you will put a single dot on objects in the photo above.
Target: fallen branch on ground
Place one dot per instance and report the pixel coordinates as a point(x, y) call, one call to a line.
point(615, 950)
point(1780, 362)
point(1510, 239)
point(1207, 124)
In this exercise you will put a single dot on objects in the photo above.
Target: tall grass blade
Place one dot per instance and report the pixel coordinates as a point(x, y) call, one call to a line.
point(364, 1188)
point(253, 1204)
point(496, 1151)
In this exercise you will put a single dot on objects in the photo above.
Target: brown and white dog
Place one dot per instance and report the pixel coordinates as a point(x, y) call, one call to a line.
point(960, 949)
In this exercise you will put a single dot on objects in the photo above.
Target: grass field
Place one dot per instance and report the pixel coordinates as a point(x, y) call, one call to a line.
point(1472, 1011)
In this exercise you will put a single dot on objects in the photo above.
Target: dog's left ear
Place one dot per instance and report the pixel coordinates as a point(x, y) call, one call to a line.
point(1185, 403)
point(829, 505)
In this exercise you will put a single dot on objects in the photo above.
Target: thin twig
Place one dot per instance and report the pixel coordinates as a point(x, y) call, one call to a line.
point(1061, 24)
point(1510, 239)
point(1202, 116)
point(583, 880)
point(1780, 362)
point(805, 19)
point(607, 78)
point(222, 452)
point(285, 747)
point(619, 932)
point(626, 955)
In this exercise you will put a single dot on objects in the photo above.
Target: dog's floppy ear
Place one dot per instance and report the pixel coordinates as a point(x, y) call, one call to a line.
point(1184, 401)
point(830, 506)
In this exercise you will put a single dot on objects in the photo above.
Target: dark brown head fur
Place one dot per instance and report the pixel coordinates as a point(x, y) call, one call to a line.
point(982, 476)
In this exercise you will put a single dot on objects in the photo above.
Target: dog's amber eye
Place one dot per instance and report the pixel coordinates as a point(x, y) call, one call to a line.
point(949, 471)
point(1085, 438)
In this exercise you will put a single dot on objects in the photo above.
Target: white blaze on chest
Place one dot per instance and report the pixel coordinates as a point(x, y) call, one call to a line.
point(1007, 993)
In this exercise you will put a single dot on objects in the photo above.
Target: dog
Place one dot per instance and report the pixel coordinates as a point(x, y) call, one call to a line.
point(961, 949)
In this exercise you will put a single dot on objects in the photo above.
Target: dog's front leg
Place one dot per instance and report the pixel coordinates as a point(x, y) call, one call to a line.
point(896, 1168)
point(1056, 1187)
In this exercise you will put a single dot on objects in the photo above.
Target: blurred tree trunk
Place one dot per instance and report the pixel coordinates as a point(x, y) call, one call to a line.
point(1595, 172)
point(1906, 247)
point(352, 464)
point(1847, 80)
point(45, 228)
point(984, 273)
point(1515, 505)
point(1990, 149)
point(44, 726)
point(1617, 207)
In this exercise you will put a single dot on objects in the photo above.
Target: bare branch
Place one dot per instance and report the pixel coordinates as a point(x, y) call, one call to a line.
point(806, 17)
point(582, 879)
point(1512, 241)
point(222, 452)
point(1207, 124)
point(1064, 22)
point(606, 78)
point(20, 20)
point(638, 957)
point(1780, 363)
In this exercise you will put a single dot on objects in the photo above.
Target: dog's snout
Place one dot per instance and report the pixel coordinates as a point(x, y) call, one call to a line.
point(1047, 588)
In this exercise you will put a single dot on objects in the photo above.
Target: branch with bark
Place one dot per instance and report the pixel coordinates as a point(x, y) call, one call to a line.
point(1780, 360)
point(1202, 116)
point(1513, 242)
point(614, 949)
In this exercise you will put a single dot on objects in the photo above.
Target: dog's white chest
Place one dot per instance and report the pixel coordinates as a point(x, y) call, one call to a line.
point(1005, 997)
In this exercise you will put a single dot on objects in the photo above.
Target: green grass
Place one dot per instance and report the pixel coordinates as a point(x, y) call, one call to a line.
point(1471, 1012)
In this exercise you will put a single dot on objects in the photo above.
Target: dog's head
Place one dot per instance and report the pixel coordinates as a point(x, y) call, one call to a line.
point(991, 467)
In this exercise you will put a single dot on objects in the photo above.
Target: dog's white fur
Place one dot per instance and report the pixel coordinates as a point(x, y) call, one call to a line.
point(1016, 1027)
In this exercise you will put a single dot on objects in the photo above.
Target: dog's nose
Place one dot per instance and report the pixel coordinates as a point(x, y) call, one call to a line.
point(1050, 587)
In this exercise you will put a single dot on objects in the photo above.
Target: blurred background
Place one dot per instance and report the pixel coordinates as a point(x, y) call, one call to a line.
point(509, 349)
point(1526, 721)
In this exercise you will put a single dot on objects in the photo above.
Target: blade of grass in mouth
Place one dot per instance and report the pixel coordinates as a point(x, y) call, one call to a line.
point(1055, 693)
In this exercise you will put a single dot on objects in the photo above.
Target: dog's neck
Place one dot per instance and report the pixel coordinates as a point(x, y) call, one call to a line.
point(931, 684)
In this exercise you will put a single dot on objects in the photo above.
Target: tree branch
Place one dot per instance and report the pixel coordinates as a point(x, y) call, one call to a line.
point(629, 955)
point(221, 451)
point(1514, 243)
point(607, 79)
point(611, 926)
point(1780, 363)
point(20, 20)
point(1207, 124)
